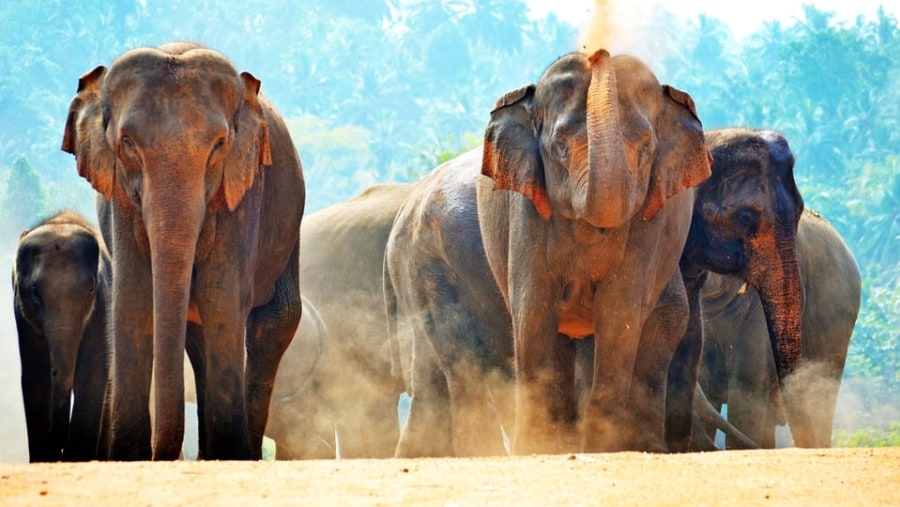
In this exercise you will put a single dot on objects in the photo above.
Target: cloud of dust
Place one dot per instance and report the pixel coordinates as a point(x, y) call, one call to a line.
point(635, 27)
point(13, 436)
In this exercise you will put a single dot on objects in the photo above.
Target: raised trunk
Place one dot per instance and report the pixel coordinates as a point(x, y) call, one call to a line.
point(609, 196)
point(782, 299)
point(173, 224)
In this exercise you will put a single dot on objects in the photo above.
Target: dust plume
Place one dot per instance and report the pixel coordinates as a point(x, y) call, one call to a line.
point(635, 28)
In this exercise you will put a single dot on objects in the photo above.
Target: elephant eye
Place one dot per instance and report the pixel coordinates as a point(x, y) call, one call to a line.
point(748, 218)
point(560, 150)
point(128, 148)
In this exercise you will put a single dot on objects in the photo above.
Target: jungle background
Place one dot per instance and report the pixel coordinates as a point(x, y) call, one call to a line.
point(384, 90)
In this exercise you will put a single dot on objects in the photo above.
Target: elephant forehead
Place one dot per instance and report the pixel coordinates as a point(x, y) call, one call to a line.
point(155, 77)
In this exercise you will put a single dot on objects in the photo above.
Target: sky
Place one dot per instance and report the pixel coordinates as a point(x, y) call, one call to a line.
point(743, 18)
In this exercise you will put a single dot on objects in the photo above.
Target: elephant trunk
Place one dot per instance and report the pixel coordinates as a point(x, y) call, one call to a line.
point(781, 294)
point(63, 338)
point(609, 193)
point(173, 215)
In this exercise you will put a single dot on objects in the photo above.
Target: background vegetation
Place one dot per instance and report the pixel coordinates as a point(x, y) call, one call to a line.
point(379, 90)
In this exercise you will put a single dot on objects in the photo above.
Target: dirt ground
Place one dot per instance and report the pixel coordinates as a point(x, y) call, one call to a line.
point(773, 478)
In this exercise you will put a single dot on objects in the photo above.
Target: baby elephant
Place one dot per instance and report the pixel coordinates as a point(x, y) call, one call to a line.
point(61, 282)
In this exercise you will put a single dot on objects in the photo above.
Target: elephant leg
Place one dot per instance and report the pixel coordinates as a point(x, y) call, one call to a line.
point(540, 412)
point(35, 360)
point(752, 391)
point(616, 343)
point(91, 381)
point(270, 330)
point(660, 336)
point(684, 371)
point(428, 430)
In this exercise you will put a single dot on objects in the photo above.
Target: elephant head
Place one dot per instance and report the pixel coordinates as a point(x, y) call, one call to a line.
point(745, 225)
point(172, 136)
point(598, 139)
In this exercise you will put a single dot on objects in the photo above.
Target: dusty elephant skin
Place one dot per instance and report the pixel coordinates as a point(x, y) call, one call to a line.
point(292, 411)
point(61, 286)
point(597, 156)
point(744, 224)
point(341, 274)
point(737, 366)
point(206, 195)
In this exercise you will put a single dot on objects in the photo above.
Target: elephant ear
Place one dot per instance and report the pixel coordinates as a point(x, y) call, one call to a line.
point(682, 158)
point(85, 134)
point(511, 155)
point(251, 149)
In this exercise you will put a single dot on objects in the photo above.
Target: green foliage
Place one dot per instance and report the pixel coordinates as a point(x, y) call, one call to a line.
point(869, 437)
point(24, 200)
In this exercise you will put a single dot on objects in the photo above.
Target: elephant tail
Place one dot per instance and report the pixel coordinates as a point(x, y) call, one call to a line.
point(390, 308)
point(708, 414)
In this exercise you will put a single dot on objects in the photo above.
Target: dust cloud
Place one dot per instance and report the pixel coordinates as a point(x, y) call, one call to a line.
point(634, 27)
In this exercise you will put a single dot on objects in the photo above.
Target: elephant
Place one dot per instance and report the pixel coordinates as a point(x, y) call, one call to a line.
point(206, 195)
point(341, 274)
point(577, 206)
point(61, 285)
point(744, 225)
point(737, 368)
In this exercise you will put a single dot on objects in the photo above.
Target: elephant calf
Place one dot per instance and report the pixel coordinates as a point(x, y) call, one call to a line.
point(737, 366)
point(61, 282)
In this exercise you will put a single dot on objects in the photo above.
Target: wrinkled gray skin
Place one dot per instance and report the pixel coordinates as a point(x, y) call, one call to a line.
point(206, 194)
point(744, 224)
point(597, 156)
point(61, 285)
point(341, 274)
point(737, 366)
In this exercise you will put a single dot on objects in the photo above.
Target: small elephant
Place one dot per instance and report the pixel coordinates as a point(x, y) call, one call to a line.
point(744, 225)
point(61, 285)
point(206, 194)
point(737, 366)
point(341, 274)
point(580, 222)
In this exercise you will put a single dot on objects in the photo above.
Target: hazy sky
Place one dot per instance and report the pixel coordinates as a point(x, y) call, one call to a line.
point(743, 18)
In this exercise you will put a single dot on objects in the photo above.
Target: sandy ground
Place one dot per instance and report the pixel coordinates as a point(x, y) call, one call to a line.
point(773, 478)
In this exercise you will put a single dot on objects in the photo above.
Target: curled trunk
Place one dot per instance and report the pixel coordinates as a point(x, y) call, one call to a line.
point(609, 196)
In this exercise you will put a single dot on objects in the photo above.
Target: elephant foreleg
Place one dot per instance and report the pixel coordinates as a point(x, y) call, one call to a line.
point(91, 380)
point(659, 338)
point(270, 330)
point(684, 371)
point(428, 430)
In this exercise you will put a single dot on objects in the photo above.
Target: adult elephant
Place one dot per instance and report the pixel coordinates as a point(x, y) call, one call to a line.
point(744, 225)
point(737, 368)
point(597, 156)
point(341, 272)
point(206, 194)
point(61, 286)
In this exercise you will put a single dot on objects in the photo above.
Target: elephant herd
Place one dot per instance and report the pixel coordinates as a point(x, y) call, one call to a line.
point(601, 275)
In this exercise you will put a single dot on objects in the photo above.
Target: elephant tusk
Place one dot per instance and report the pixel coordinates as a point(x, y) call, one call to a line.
point(743, 289)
